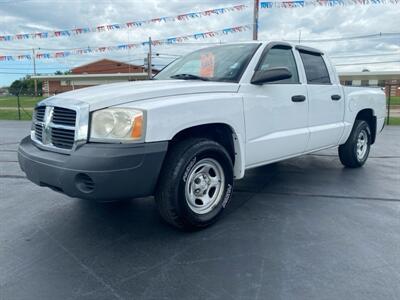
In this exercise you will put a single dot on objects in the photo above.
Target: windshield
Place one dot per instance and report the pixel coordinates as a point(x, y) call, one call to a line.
point(220, 63)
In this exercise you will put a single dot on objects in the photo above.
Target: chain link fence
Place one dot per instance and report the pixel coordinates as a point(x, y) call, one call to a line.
point(18, 107)
point(393, 105)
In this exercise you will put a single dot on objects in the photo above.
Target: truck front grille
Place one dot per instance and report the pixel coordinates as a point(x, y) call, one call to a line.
point(54, 127)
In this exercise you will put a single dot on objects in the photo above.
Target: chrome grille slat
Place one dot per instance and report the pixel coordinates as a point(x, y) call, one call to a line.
point(39, 113)
point(62, 132)
point(38, 131)
point(62, 138)
point(64, 116)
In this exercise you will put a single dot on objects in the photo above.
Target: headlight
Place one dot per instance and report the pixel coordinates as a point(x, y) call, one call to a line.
point(116, 124)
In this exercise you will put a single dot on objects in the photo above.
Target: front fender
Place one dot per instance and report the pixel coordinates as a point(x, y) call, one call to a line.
point(169, 115)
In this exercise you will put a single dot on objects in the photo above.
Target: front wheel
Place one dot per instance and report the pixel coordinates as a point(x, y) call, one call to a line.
point(195, 184)
point(355, 151)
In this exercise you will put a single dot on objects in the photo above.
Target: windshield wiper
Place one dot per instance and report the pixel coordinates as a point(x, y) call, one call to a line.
point(189, 77)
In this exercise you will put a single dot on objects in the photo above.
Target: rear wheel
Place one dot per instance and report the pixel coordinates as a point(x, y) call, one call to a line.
point(354, 153)
point(195, 184)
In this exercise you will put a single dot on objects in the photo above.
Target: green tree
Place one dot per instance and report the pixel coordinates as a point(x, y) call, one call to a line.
point(25, 86)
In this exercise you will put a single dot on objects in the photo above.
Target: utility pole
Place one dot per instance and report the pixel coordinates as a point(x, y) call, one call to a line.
point(255, 20)
point(149, 66)
point(299, 36)
point(34, 71)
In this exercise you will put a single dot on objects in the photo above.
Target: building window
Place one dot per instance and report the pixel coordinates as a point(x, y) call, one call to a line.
point(348, 82)
point(65, 82)
point(373, 82)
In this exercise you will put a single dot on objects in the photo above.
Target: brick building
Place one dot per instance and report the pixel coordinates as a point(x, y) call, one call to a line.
point(95, 73)
point(106, 66)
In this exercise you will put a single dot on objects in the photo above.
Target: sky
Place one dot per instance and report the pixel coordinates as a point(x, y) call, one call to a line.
point(311, 23)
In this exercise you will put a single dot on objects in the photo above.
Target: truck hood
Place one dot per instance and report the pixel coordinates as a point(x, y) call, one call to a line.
point(106, 95)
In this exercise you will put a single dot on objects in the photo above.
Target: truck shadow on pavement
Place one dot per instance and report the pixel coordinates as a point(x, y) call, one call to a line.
point(317, 176)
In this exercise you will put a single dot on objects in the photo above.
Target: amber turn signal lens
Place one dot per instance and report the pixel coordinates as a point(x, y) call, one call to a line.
point(137, 127)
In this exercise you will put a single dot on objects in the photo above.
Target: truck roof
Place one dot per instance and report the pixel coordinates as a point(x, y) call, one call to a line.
point(299, 47)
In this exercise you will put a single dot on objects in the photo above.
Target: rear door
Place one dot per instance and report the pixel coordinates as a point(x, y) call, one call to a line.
point(326, 101)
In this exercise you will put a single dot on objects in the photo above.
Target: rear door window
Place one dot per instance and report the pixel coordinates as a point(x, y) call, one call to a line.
point(315, 68)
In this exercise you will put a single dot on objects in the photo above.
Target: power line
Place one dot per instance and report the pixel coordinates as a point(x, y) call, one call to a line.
point(159, 42)
point(92, 47)
point(333, 39)
point(369, 63)
point(111, 69)
point(15, 73)
point(366, 55)
point(166, 54)
point(142, 59)
point(101, 69)
point(95, 56)
point(348, 38)
point(108, 64)
point(62, 67)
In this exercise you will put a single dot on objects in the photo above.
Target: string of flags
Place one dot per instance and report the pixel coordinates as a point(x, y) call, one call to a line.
point(168, 41)
point(119, 26)
point(327, 3)
point(186, 17)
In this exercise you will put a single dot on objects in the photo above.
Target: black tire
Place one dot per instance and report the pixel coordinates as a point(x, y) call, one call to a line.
point(348, 151)
point(179, 164)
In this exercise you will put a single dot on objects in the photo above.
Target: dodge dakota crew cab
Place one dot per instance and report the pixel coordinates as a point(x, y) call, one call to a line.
point(199, 124)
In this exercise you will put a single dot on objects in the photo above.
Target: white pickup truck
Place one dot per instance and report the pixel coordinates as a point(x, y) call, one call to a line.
point(199, 124)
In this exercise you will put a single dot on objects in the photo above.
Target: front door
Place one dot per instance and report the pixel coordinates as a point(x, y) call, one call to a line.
point(276, 114)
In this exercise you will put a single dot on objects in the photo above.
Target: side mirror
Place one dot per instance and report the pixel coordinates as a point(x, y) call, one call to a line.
point(270, 75)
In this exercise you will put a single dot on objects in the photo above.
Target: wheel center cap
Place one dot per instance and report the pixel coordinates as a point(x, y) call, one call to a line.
point(201, 182)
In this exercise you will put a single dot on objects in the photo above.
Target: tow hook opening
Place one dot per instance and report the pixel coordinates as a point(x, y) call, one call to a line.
point(84, 183)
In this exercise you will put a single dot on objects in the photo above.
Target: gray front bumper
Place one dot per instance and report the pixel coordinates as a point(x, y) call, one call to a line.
point(96, 171)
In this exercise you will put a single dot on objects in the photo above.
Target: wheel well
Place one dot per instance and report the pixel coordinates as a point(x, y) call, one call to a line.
point(218, 132)
point(368, 116)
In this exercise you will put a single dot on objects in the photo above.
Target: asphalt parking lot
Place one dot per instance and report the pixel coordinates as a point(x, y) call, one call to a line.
point(306, 228)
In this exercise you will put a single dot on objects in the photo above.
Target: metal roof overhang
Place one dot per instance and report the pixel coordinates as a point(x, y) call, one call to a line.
point(383, 75)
